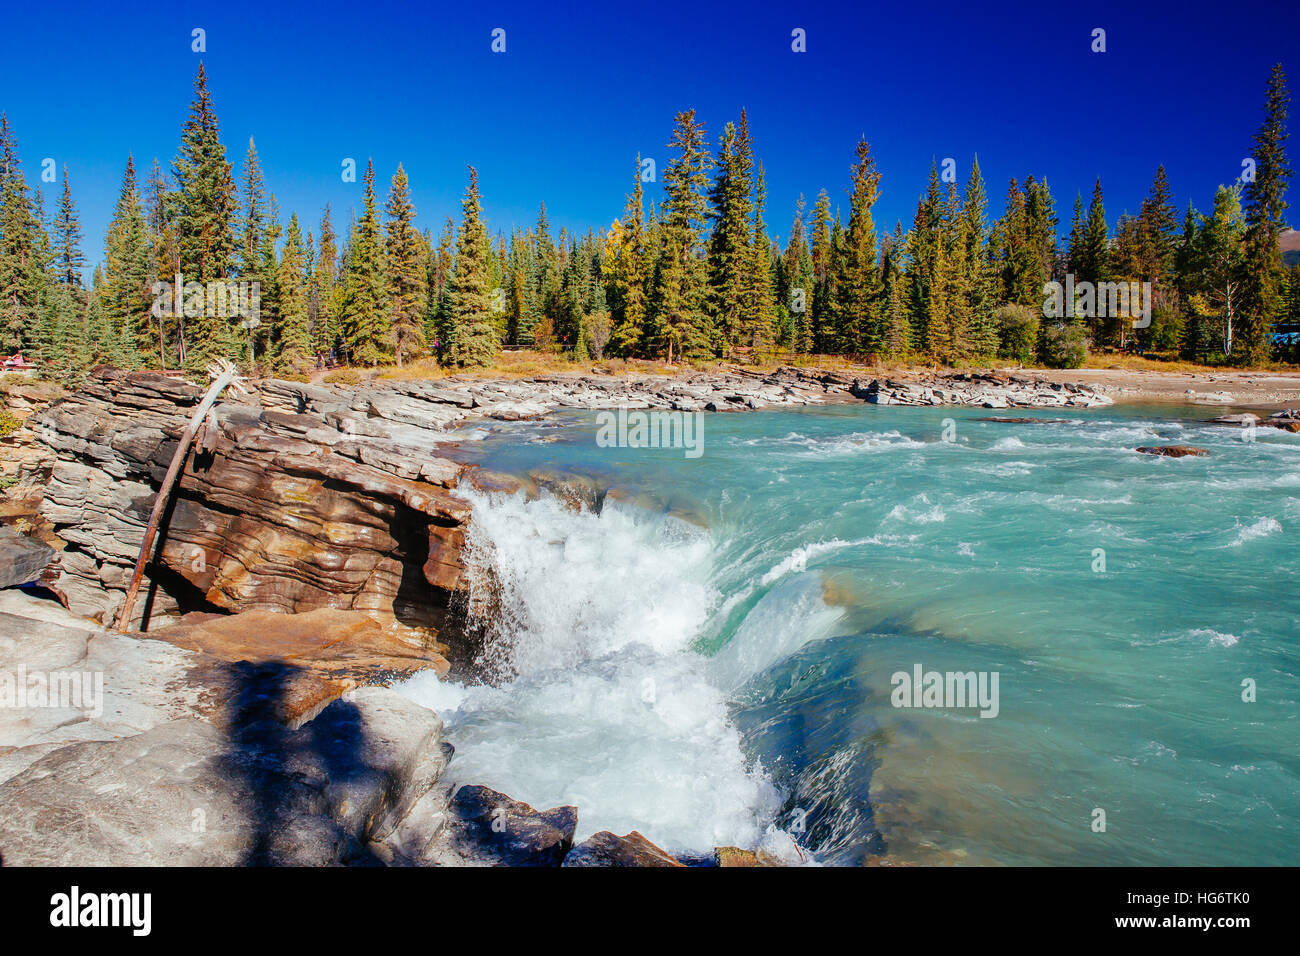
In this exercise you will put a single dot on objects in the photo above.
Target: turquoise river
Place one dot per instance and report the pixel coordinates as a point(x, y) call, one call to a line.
point(709, 656)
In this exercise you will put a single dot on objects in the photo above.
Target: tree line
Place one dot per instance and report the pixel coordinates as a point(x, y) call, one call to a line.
point(693, 277)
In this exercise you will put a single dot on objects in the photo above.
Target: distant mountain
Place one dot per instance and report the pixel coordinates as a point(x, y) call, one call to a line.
point(1289, 242)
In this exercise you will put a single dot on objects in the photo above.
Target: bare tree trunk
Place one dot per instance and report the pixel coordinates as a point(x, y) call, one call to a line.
point(225, 375)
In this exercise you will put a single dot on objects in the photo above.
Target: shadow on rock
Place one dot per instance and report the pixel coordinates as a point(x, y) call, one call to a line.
point(302, 789)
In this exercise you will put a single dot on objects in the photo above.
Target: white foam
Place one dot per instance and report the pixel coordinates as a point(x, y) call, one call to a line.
point(929, 514)
point(797, 560)
point(854, 443)
point(1217, 638)
point(610, 708)
point(1260, 528)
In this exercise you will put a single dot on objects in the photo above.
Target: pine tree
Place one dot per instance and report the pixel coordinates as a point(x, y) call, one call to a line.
point(794, 292)
point(858, 286)
point(365, 324)
point(544, 283)
point(164, 260)
point(819, 319)
point(1092, 265)
point(253, 227)
point(68, 230)
point(923, 249)
point(293, 337)
point(730, 258)
point(1265, 207)
point(325, 329)
point(406, 270)
point(626, 269)
point(1074, 251)
point(757, 311)
point(977, 278)
point(22, 272)
point(470, 336)
point(127, 297)
point(1157, 228)
point(898, 326)
point(680, 325)
point(205, 211)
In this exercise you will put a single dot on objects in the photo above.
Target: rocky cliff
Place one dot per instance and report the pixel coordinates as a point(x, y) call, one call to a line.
point(303, 500)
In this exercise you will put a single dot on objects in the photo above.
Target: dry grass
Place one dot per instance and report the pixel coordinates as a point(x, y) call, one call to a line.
point(532, 364)
point(523, 364)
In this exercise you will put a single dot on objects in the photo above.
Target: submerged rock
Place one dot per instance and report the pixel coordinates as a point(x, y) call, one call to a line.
point(1172, 451)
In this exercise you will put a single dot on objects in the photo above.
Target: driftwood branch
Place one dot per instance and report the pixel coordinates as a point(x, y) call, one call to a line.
point(223, 375)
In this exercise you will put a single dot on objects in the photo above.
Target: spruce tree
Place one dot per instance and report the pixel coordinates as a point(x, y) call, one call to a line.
point(794, 292)
point(757, 312)
point(680, 325)
point(820, 313)
point(858, 286)
point(293, 336)
point(325, 329)
point(365, 322)
point(164, 260)
point(22, 271)
point(626, 268)
point(406, 259)
point(127, 296)
point(469, 334)
point(205, 212)
point(978, 278)
point(1265, 207)
point(68, 231)
point(730, 258)
point(898, 326)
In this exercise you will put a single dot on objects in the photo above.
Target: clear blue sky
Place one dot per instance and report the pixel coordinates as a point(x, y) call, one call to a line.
point(583, 87)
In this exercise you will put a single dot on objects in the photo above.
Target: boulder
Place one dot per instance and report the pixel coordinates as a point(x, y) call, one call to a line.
point(22, 559)
point(487, 828)
point(607, 849)
point(734, 856)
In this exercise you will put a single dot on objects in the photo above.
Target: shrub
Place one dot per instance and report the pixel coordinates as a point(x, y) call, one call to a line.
point(1017, 332)
point(1065, 346)
point(8, 423)
point(342, 376)
point(1164, 333)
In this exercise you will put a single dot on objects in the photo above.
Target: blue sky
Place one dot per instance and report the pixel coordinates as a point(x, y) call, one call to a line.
point(582, 87)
